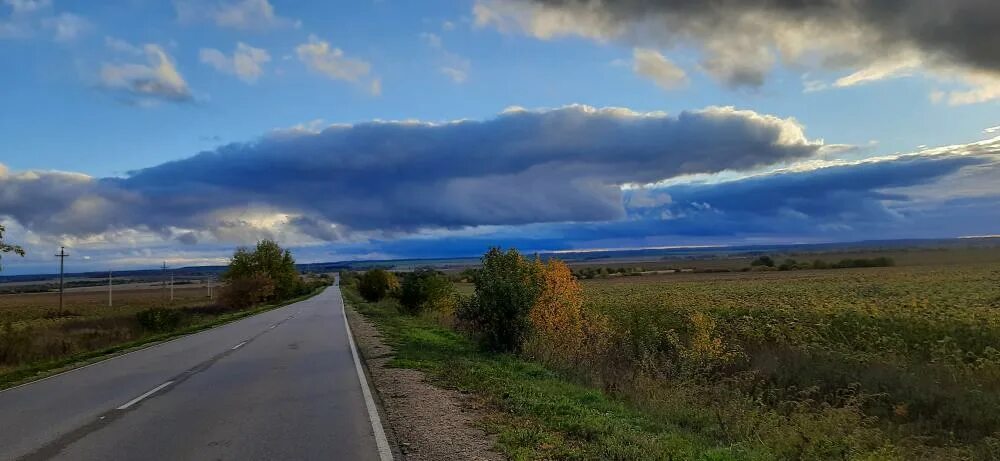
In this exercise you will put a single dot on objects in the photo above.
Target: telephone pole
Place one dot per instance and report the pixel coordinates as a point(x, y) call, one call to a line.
point(62, 258)
point(163, 272)
point(109, 289)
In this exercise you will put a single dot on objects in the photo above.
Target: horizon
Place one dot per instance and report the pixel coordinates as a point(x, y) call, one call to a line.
point(751, 248)
point(178, 130)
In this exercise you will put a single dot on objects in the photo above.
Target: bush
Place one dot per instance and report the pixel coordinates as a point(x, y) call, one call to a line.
point(159, 319)
point(246, 291)
point(424, 289)
point(763, 261)
point(506, 289)
point(377, 284)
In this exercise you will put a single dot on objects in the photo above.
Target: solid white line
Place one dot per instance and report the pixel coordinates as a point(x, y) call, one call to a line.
point(238, 346)
point(147, 394)
point(384, 452)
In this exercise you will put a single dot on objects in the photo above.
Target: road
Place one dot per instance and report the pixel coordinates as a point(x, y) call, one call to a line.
point(279, 385)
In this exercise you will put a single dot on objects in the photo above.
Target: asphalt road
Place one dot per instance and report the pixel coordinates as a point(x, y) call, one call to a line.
point(279, 385)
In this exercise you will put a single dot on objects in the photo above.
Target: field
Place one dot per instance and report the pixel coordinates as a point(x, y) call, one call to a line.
point(876, 363)
point(899, 361)
point(35, 332)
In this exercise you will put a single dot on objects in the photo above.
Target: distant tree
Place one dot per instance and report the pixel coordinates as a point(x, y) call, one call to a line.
point(763, 261)
point(8, 247)
point(377, 284)
point(270, 260)
point(423, 289)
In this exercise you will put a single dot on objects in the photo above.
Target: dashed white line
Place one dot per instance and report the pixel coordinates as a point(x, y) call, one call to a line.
point(272, 326)
point(238, 346)
point(138, 399)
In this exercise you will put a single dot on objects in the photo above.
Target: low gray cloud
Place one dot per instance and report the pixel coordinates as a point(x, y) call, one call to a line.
point(400, 177)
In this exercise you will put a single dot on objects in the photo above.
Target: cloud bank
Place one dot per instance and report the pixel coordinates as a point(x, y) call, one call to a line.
point(568, 177)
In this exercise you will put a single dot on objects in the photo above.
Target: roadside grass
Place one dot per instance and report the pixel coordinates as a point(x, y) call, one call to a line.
point(42, 369)
point(535, 412)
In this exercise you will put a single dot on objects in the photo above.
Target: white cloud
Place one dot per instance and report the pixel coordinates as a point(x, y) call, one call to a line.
point(145, 83)
point(333, 63)
point(246, 62)
point(654, 66)
point(27, 6)
point(67, 27)
point(992, 129)
point(432, 40)
point(453, 66)
point(235, 14)
point(121, 46)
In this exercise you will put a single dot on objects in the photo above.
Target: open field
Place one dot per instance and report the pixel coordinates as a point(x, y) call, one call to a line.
point(863, 363)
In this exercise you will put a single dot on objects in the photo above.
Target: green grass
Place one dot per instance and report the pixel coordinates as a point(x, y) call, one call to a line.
point(534, 412)
point(40, 370)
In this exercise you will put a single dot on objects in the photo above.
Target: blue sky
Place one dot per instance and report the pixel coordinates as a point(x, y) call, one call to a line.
point(96, 98)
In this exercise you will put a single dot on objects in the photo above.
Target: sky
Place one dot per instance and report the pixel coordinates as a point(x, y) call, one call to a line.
point(140, 131)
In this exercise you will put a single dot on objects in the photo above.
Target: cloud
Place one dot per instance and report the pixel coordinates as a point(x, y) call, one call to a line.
point(451, 65)
point(654, 66)
point(246, 63)
point(397, 178)
point(334, 64)
point(234, 14)
point(156, 80)
point(29, 17)
point(67, 27)
point(740, 41)
point(27, 6)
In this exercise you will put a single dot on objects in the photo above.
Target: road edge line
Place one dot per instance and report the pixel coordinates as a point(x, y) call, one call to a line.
point(384, 451)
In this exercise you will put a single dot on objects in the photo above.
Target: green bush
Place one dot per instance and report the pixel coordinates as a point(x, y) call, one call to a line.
point(159, 319)
point(423, 289)
point(377, 284)
point(506, 289)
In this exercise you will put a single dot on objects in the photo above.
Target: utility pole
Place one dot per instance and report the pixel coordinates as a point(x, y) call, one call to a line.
point(109, 289)
point(209, 280)
point(62, 258)
point(171, 287)
point(163, 279)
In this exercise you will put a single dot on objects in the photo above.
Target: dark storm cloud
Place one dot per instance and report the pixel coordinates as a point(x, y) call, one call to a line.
point(522, 167)
point(965, 30)
point(740, 37)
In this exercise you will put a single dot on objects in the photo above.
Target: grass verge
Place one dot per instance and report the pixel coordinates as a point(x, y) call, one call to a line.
point(27, 374)
point(535, 412)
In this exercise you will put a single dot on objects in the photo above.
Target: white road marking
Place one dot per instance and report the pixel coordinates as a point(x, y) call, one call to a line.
point(143, 396)
point(238, 346)
point(384, 452)
point(272, 326)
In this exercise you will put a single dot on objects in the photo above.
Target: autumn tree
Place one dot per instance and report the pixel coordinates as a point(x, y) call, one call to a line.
point(8, 247)
point(557, 318)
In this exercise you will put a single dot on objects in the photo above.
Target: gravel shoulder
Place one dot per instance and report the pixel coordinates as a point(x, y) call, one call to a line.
point(427, 422)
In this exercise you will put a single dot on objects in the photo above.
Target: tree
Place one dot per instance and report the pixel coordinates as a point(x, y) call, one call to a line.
point(763, 261)
point(268, 260)
point(506, 289)
point(377, 284)
point(557, 315)
point(424, 288)
point(8, 247)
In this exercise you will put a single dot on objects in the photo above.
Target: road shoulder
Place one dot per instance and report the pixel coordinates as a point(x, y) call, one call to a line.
point(426, 422)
